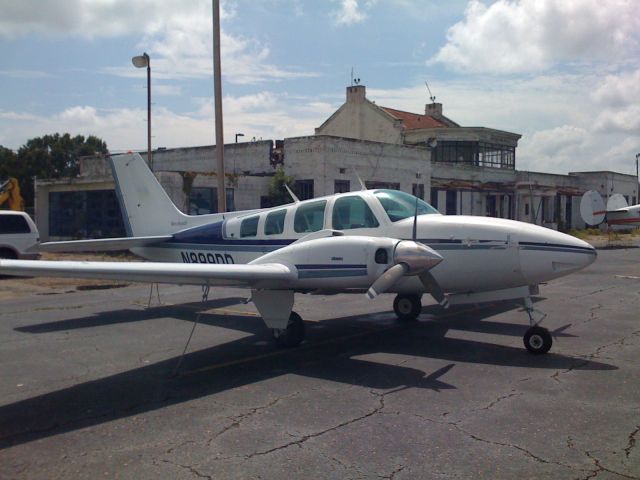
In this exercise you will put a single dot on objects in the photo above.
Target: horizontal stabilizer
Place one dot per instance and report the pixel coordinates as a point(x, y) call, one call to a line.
point(262, 276)
point(102, 244)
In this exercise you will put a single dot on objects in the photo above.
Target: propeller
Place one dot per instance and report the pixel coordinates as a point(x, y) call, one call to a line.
point(387, 279)
point(412, 258)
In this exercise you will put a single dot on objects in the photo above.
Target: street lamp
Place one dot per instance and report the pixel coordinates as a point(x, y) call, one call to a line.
point(142, 61)
point(637, 179)
point(242, 135)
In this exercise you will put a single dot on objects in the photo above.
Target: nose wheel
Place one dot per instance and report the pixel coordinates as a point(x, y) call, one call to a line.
point(537, 340)
point(407, 307)
point(292, 335)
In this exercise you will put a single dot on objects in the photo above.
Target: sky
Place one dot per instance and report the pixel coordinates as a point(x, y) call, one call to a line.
point(564, 74)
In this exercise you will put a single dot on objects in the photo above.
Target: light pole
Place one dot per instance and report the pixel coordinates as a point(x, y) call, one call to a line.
point(242, 135)
point(142, 61)
point(637, 179)
point(217, 93)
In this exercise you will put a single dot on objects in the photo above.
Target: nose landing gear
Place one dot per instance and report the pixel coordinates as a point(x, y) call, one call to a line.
point(407, 307)
point(537, 340)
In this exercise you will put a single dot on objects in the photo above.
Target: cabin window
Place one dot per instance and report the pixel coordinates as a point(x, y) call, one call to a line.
point(249, 227)
point(352, 212)
point(309, 217)
point(400, 205)
point(274, 224)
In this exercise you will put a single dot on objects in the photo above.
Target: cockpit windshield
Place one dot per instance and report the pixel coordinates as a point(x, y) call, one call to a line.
point(400, 205)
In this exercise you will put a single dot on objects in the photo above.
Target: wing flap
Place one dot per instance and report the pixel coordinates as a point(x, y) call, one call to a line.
point(102, 244)
point(274, 275)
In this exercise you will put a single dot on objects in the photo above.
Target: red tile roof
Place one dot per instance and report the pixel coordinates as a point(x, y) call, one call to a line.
point(414, 121)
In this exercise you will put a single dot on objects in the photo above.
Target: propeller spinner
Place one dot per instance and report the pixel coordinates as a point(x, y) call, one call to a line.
point(410, 258)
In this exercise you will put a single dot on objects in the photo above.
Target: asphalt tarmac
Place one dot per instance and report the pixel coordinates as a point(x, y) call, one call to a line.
point(91, 386)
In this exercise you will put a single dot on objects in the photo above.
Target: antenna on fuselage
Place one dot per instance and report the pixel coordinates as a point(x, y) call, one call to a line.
point(362, 184)
point(293, 195)
point(414, 235)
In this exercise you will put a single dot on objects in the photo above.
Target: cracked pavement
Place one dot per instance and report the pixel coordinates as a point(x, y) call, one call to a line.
point(86, 386)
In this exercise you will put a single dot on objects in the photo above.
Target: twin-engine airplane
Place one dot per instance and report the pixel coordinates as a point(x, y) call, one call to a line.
point(617, 212)
point(373, 241)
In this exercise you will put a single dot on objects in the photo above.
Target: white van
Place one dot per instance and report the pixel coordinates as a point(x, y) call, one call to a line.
point(19, 236)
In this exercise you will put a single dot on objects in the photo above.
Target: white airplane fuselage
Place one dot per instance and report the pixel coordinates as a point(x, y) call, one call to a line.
point(480, 253)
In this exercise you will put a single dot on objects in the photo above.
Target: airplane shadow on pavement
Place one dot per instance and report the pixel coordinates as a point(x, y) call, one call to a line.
point(330, 353)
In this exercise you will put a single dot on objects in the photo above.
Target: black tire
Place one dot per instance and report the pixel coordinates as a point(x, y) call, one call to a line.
point(407, 307)
point(291, 336)
point(537, 340)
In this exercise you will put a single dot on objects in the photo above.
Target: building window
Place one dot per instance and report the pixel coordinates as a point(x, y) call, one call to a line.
point(452, 202)
point(417, 189)
point(85, 214)
point(204, 200)
point(303, 189)
point(342, 186)
point(482, 154)
point(434, 198)
point(382, 185)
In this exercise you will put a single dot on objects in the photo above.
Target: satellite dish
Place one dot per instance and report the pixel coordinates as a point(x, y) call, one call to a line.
point(592, 208)
point(616, 201)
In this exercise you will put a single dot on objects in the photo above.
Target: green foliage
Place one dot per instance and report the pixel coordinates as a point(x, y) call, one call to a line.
point(51, 156)
point(278, 195)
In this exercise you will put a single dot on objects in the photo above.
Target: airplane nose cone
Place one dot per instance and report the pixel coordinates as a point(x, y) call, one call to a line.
point(546, 254)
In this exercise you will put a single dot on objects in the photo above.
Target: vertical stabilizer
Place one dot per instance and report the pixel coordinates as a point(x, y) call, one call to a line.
point(146, 208)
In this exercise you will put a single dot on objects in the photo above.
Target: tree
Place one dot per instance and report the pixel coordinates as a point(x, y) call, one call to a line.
point(278, 195)
point(50, 156)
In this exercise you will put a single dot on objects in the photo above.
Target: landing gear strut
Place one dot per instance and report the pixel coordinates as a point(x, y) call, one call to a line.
point(407, 307)
point(537, 339)
point(292, 335)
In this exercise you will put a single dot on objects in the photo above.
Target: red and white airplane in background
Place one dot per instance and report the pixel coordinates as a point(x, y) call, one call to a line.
point(369, 241)
point(617, 211)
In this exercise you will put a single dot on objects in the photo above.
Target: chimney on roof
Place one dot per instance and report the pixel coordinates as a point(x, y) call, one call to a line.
point(356, 94)
point(434, 109)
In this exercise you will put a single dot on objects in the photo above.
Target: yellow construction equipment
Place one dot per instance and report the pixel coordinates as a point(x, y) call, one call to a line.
point(10, 194)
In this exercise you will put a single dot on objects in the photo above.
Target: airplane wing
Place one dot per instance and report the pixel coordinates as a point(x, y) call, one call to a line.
point(102, 244)
point(271, 275)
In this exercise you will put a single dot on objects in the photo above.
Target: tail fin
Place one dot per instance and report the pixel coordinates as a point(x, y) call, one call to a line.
point(146, 208)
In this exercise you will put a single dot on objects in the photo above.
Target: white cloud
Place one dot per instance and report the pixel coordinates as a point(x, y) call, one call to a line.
point(348, 13)
point(176, 34)
point(263, 115)
point(619, 90)
point(532, 35)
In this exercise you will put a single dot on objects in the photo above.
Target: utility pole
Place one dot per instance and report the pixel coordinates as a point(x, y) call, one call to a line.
point(217, 87)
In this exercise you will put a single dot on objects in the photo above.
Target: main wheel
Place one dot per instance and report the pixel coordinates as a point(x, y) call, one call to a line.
point(407, 307)
point(537, 340)
point(291, 336)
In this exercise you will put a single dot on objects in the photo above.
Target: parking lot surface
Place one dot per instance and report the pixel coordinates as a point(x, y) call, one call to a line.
point(92, 386)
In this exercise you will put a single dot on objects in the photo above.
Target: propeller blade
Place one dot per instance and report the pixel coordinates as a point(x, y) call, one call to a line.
point(386, 280)
point(432, 286)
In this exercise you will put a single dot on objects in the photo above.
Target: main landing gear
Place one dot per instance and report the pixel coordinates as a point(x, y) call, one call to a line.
point(407, 307)
point(292, 335)
point(537, 340)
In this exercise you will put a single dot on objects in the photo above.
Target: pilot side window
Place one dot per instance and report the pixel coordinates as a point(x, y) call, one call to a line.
point(309, 217)
point(249, 227)
point(352, 212)
point(274, 224)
